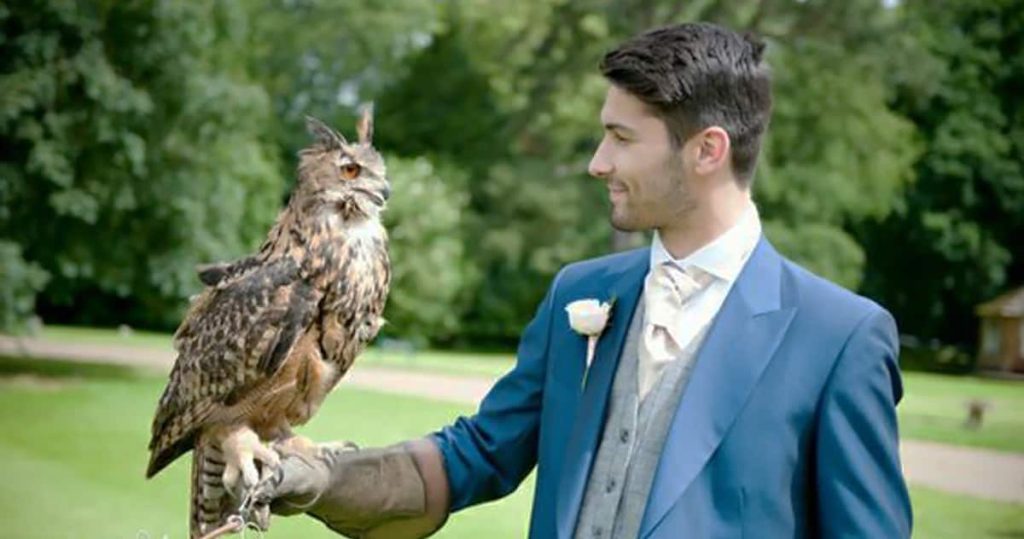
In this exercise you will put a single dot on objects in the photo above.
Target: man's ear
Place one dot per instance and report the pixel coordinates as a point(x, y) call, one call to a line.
point(712, 149)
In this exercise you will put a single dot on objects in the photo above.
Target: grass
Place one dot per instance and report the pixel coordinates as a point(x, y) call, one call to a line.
point(87, 335)
point(73, 450)
point(934, 408)
point(72, 453)
point(490, 365)
point(938, 515)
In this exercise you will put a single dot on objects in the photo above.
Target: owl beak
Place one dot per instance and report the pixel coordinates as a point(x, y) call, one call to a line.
point(378, 198)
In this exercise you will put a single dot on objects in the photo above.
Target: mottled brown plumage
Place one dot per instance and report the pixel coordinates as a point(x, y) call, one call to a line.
point(272, 333)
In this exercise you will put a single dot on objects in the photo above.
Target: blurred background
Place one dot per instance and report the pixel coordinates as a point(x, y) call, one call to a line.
point(141, 138)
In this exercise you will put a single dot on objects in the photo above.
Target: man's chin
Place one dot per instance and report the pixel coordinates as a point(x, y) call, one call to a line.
point(624, 223)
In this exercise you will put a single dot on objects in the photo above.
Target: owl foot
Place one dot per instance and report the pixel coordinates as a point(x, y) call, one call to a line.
point(242, 448)
point(295, 444)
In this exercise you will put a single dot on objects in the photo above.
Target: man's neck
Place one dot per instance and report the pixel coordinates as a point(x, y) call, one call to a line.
point(714, 217)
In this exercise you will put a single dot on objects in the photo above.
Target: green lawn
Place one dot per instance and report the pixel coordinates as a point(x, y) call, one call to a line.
point(89, 335)
point(938, 515)
point(490, 365)
point(72, 454)
point(458, 363)
point(934, 408)
point(73, 451)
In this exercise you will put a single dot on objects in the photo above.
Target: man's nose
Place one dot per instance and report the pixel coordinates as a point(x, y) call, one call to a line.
point(599, 166)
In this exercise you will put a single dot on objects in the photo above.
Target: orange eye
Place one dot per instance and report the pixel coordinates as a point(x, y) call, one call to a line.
point(350, 171)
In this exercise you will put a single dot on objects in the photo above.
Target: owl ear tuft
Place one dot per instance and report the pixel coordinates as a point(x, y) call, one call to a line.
point(324, 135)
point(365, 125)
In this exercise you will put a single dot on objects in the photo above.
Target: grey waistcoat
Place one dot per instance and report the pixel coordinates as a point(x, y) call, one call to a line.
point(633, 437)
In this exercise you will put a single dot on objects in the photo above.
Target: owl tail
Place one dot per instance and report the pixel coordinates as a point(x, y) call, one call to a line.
point(210, 504)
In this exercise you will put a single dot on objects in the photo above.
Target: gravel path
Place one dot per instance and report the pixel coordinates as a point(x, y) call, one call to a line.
point(979, 473)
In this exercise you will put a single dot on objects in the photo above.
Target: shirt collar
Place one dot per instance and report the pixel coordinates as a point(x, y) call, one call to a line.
point(725, 256)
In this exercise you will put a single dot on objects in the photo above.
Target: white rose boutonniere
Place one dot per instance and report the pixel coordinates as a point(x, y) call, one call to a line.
point(589, 317)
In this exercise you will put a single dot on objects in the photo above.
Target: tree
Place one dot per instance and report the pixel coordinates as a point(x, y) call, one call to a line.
point(443, 106)
point(131, 148)
point(326, 58)
point(20, 281)
point(956, 238)
point(835, 156)
point(430, 272)
point(166, 127)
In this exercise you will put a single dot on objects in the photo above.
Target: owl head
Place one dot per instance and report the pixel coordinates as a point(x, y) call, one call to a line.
point(349, 178)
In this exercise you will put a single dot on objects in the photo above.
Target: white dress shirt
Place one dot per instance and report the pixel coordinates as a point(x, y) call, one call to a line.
point(723, 258)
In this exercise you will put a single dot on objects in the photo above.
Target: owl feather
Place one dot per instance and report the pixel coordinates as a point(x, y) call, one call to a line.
point(271, 334)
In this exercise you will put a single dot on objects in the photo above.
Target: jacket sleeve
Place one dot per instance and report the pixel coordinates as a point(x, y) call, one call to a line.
point(487, 455)
point(861, 491)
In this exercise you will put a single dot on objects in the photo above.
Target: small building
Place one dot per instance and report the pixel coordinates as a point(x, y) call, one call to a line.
point(1001, 343)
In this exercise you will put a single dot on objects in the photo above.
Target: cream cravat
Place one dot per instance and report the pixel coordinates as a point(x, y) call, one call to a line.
point(666, 291)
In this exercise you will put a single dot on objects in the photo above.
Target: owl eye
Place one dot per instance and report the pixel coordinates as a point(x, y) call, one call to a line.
point(350, 171)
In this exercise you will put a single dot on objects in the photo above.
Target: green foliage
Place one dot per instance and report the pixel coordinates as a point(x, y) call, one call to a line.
point(132, 149)
point(836, 155)
point(538, 220)
point(325, 58)
point(414, 120)
point(821, 248)
point(20, 281)
point(955, 240)
point(530, 214)
point(139, 138)
point(431, 276)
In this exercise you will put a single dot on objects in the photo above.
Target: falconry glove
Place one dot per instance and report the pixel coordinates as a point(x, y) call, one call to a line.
point(396, 491)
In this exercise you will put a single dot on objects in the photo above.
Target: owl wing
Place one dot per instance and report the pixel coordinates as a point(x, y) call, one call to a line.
point(233, 337)
point(214, 274)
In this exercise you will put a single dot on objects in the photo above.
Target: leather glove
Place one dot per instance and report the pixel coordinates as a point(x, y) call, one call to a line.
point(395, 491)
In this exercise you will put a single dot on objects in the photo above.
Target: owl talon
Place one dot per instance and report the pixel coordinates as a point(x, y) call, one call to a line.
point(242, 448)
point(295, 444)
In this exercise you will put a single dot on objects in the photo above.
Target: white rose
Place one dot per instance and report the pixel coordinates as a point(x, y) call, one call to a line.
point(588, 316)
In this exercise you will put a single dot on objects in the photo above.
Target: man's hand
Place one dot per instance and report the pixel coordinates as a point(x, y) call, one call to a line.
point(301, 478)
point(377, 492)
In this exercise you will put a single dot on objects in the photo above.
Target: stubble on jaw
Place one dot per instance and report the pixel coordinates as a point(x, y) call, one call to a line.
point(676, 202)
point(684, 203)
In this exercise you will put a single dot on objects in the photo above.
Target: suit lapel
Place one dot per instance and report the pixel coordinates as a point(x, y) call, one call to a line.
point(739, 345)
point(625, 287)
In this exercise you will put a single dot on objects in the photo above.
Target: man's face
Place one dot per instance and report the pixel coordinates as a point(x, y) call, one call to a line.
point(646, 177)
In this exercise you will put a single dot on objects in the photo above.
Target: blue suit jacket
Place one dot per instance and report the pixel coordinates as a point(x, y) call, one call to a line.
point(787, 427)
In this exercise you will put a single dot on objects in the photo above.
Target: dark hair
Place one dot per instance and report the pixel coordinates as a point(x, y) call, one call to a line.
point(697, 75)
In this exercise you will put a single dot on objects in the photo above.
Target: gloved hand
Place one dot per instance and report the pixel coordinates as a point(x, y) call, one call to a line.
point(396, 491)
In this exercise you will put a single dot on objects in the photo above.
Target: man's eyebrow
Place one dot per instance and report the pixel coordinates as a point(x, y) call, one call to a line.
point(612, 126)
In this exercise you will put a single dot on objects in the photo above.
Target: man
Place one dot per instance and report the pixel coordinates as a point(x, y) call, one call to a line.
point(732, 394)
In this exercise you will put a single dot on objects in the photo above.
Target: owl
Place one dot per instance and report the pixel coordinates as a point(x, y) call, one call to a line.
point(271, 334)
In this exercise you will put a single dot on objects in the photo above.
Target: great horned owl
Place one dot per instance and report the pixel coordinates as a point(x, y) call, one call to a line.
point(272, 333)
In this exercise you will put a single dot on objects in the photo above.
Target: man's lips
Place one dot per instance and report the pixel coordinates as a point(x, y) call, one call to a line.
point(616, 189)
